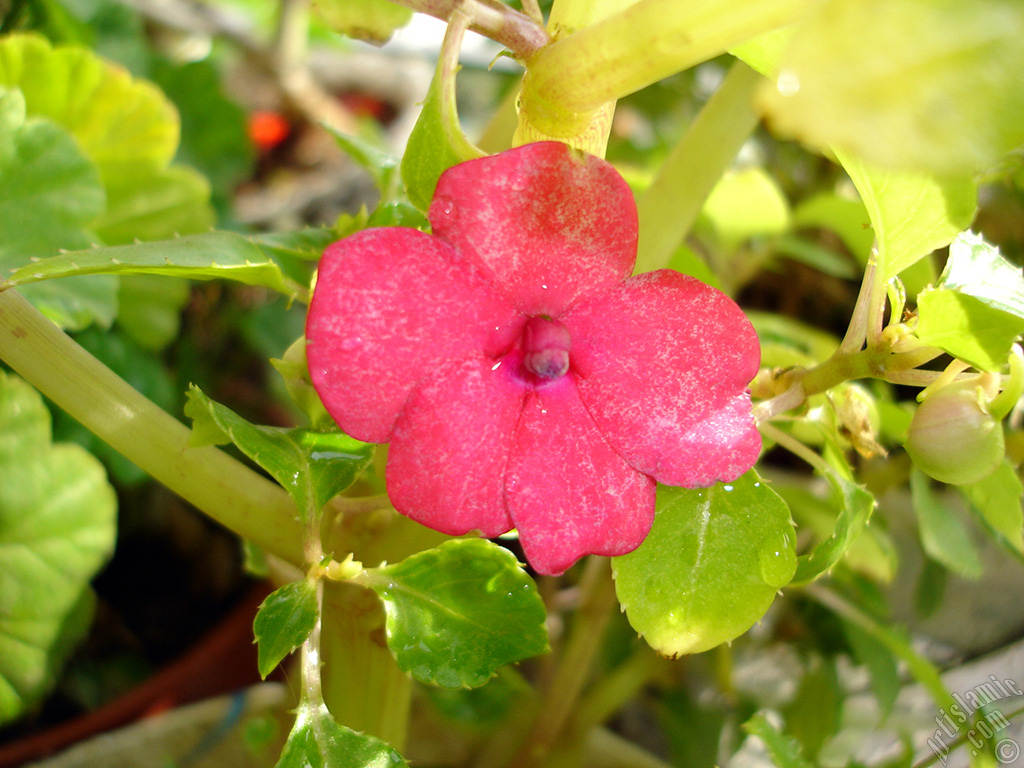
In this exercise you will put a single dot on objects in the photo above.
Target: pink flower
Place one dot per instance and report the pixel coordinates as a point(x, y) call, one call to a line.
point(522, 377)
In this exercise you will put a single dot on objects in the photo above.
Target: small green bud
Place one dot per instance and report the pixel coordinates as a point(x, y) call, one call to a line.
point(953, 437)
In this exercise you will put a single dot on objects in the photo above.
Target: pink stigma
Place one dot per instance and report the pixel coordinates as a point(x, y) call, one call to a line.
point(546, 347)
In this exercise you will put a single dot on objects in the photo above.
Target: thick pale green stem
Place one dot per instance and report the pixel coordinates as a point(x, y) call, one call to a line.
point(225, 489)
point(571, 78)
point(668, 208)
point(587, 129)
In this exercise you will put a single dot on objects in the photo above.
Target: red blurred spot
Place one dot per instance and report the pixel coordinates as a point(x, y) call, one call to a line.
point(268, 129)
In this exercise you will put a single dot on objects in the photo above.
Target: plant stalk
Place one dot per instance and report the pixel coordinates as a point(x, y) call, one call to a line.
point(225, 489)
point(668, 208)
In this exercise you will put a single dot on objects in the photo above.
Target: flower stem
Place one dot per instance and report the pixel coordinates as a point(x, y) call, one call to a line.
point(574, 665)
point(516, 31)
point(668, 208)
point(211, 480)
point(642, 44)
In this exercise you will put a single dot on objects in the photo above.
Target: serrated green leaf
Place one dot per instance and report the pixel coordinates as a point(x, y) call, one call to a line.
point(313, 467)
point(710, 567)
point(976, 268)
point(434, 145)
point(998, 499)
point(57, 528)
point(458, 612)
point(912, 213)
point(300, 244)
point(943, 536)
point(318, 741)
point(854, 505)
point(283, 622)
point(977, 310)
point(937, 89)
point(49, 192)
point(966, 328)
point(371, 20)
point(381, 165)
point(784, 749)
point(224, 255)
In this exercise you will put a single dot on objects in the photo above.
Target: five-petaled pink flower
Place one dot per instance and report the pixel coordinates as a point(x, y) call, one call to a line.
point(522, 377)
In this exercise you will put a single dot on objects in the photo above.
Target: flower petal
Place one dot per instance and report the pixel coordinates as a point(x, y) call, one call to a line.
point(446, 462)
point(552, 223)
point(663, 364)
point(390, 306)
point(568, 492)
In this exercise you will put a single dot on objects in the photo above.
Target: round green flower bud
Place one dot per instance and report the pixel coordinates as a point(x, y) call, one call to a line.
point(952, 436)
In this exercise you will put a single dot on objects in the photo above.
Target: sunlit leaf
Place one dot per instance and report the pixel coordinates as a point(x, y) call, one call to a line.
point(746, 203)
point(977, 310)
point(57, 528)
point(911, 84)
point(710, 567)
point(911, 213)
point(459, 611)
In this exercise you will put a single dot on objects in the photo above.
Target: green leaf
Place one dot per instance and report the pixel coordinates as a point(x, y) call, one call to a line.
point(710, 567)
point(881, 666)
point(912, 213)
point(313, 467)
point(997, 499)
point(150, 309)
point(213, 255)
point(164, 204)
point(125, 126)
point(943, 536)
point(381, 165)
point(784, 749)
point(459, 611)
point(57, 528)
point(435, 144)
point(977, 310)
point(49, 192)
point(855, 505)
point(966, 328)
point(976, 268)
point(936, 90)
point(318, 741)
point(746, 203)
point(845, 216)
point(371, 20)
point(283, 622)
point(815, 712)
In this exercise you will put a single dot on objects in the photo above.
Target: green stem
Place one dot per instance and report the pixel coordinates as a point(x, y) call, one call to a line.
point(668, 208)
point(209, 479)
point(516, 31)
point(613, 690)
point(574, 666)
point(923, 670)
point(643, 44)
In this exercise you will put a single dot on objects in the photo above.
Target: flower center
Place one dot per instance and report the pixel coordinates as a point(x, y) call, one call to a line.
point(546, 347)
